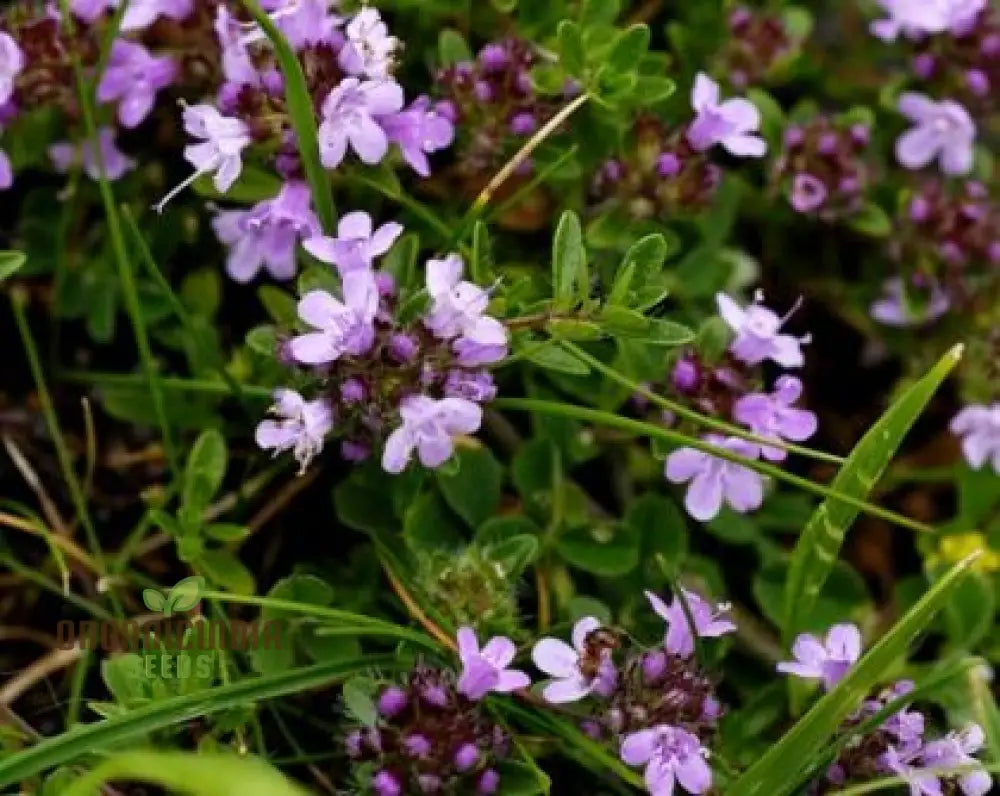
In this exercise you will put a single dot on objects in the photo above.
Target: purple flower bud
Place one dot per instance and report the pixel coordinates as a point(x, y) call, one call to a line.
point(951, 253)
point(920, 209)
point(353, 744)
point(522, 82)
point(991, 46)
point(924, 66)
point(613, 171)
point(229, 96)
point(287, 165)
point(794, 136)
point(654, 664)
point(352, 391)
point(808, 193)
point(434, 695)
point(591, 729)
point(447, 109)
point(739, 18)
point(668, 165)
point(493, 57)
point(978, 82)
point(483, 91)
point(849, 185)
point(711, 710)
point(392, 701)
point(403, 347)
point(994, 252)
point(384, 783)
point(973, 212)
point(522, 123)
point(353, 451)
point(385, 283)
point(861, 135)
point(976, 190)
point(827, 144)
point(417, 745)
point(489, 781)
point(429, 783)
point(274, 82)
point(466, 757)
point(686, 375)
point(285, 356)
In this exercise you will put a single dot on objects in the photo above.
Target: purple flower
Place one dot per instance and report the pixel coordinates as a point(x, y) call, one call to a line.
point(918, 766)
point(266, 236)
point(758, 333)
point(944, 131)
point(357, 243)
point(562, 662)
point(385, 783)
point(344, 327)
point(116, 163)
point(133, 78)
point(11, 65)
point(489, 781)
point(369, 48)
point(808, 193)
point(671, 755)
point(715, 481)
point(237, 66)
point(979, 428)
point(709, 621)
point(485, 670)
point(301, 427)
point(893, 309)
point(827, 660)
point(392, 701)
point(429, 427)
point(482, 342)
point(475, 386)
point(349, 117)
point(90, 10)
point(916, 17)
point(304, 23)
point(140, 14)
point(774, 416)
point(729, 123)
point(6, 172)
point(419, 131)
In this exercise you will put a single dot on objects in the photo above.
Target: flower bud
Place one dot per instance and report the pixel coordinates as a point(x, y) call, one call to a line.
point(654, 664)
point(466, 757)
point(489, 782)
point(417, 745)
point(392, 701)
point(385, 783)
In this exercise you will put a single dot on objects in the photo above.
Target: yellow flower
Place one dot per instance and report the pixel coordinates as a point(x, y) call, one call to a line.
point(958, 546)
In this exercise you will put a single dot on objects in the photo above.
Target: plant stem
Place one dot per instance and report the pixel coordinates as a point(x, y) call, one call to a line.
point(696, 417)
point(649, 430)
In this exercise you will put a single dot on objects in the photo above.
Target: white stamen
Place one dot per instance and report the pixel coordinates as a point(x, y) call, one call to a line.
point(158, 207)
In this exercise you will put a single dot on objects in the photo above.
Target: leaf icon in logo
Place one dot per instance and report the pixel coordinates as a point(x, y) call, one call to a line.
point(185, 595)
point(155, 601)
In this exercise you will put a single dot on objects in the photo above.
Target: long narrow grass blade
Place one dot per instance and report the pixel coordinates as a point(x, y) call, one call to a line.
point(781, 768)
point(819, 544)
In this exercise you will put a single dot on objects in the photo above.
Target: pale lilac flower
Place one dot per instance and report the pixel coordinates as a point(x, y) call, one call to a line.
point(475, 386)
point(671, 756)
point(66, 155)
point(6, 172)
point(954, 752)
point(482, 342)
point(714, 481)
point(455, 303)
point(266, 235)
point(808, 193)
point(979, 428)
point(710, 621)
point(357, 243)
point(773, 416)
point(140, 14)
point(730, 123)
point(827, 660)
point(917, 17)
point(758, 333)
point(237, 66)
point(369, 48)
point(90, 10)
point(562, 662)
point(11, 65)
point(429, 427)
point(132, 78)
point(944, 131)
point(419, 130)
point(894, 310)
point(223, 141)
point(485, 670)
point(345, 327)
point(350, 114)
point(301, 426)
point(304, 23)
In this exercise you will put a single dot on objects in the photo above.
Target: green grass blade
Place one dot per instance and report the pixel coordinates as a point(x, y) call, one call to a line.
point(819, 544)
point(86, 739)
point(781, 768)
point(303, 116)
point(201, 774)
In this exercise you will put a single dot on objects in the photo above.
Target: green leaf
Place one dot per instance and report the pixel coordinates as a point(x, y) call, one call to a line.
point(280, 305)
point(608, 550)
point(254, 185)
point(569, 262)
point(650, 89)
point(599, 12)
point(648, 255)
point(452, 48)
point(514, 555)
point(551, 358)
point(499, 529)
point(520, 779)
point(84, 739)
point(473, 492)
point(780, 769)
point(871, 220)
point(969, 616)
point(186, 594)
point(482, 256)
point(570, 46)
point(226, 532)
point(629, 48)
point(225, 569)
point(206, 467)
point(819, 544)
point(263, 340)
point(573, 329)
point(429, 526)
point(302, 114)
point(359, 700)
point(10, 264)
